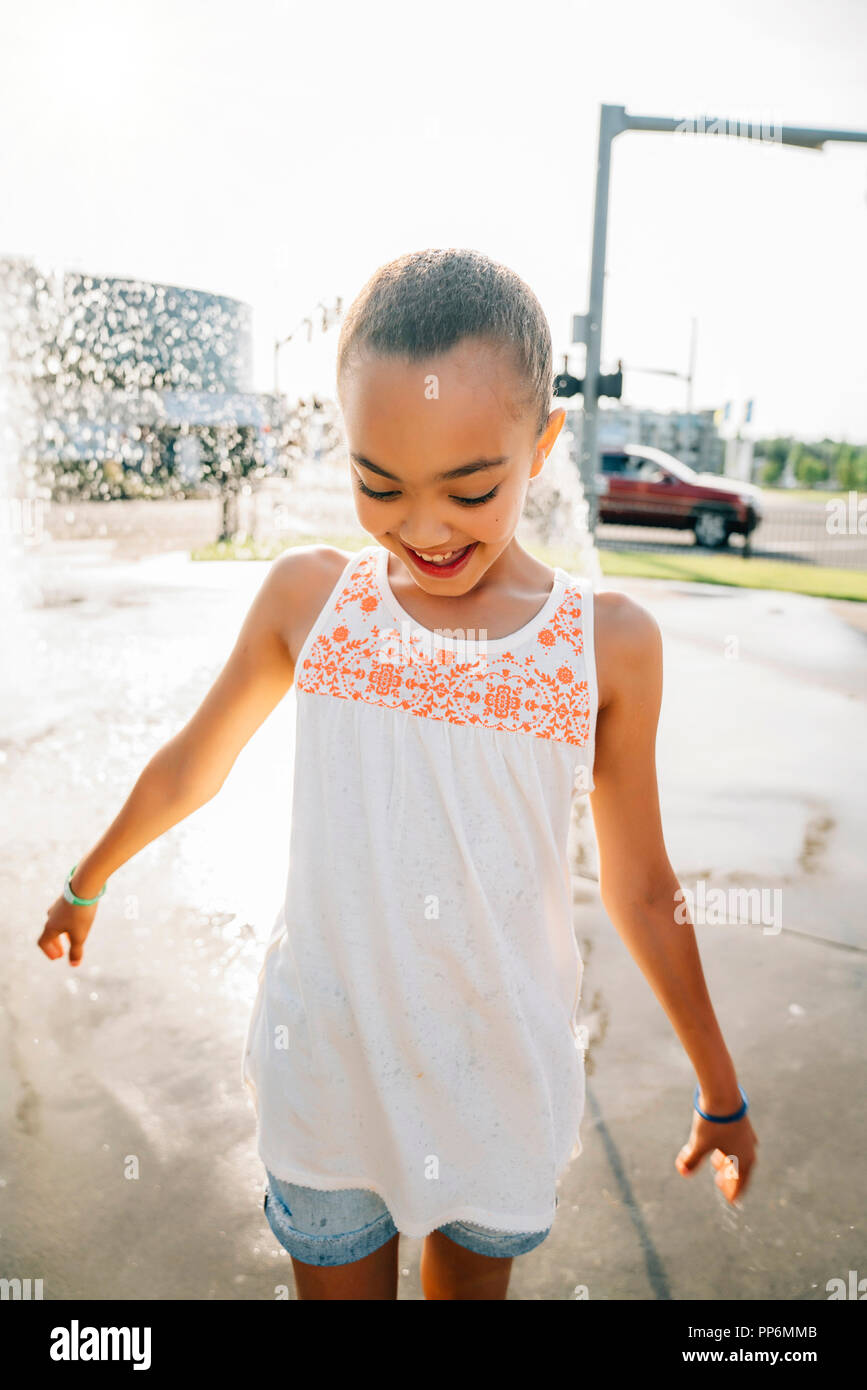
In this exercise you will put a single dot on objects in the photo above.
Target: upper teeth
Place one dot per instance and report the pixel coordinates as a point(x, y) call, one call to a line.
point(438, 559)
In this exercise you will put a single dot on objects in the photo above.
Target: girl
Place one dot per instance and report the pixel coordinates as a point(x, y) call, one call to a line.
point(413, 1053)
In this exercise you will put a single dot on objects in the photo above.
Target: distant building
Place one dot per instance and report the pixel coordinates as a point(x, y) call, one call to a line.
point(690, 436)
point(133, 333)
point(139, 375)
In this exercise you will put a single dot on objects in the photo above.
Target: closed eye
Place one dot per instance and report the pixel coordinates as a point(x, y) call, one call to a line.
point(464, 501)
point(477, 501)
point(369, 492)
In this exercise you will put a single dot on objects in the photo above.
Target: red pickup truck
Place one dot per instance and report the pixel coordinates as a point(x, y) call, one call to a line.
point(643, 486)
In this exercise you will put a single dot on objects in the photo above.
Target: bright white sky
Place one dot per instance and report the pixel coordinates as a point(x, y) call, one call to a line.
point(281, 152)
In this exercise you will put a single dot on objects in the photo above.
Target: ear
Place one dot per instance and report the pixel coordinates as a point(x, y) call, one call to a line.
point(547, 439)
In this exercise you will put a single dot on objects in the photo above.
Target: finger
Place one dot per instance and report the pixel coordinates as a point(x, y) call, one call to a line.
point(49, 943)
point(728, 1182)
point(688, 1160)
point(732, 1177)
point(76, 952)
point(745, 1177)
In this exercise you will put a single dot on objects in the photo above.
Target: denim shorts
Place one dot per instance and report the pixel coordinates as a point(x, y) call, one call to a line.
point(335, 1228)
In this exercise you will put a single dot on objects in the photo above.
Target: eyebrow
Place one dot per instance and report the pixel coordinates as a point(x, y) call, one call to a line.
point(465, 469)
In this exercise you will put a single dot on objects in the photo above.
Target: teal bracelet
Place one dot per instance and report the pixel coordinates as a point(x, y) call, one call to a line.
point(723, 1119)
point(70, 896)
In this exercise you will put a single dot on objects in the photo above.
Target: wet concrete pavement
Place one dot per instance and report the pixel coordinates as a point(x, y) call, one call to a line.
point(135, 1058)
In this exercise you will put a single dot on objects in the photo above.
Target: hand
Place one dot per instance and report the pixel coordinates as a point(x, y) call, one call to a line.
point(732, 1150)
point(66, 919)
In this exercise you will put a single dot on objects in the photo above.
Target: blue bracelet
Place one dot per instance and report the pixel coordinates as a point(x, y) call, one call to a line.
point(723, 1119)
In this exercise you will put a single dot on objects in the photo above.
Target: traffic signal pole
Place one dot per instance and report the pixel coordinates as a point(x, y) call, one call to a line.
point(612, 121)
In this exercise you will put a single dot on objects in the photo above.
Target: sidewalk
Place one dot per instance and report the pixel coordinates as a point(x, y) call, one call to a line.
point(761, 760)
point(761, 763)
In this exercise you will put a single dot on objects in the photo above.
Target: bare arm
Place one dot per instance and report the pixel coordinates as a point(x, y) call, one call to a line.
point(191, 767)
point(636, 879)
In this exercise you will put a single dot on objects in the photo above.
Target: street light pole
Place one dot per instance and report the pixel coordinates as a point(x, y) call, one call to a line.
point(612, 121)
point(692, 437)
point(330, 315)
point(281, 342)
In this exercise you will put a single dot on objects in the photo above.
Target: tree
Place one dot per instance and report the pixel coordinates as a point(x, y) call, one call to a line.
point(810, 469)
point(771, 471)
point(775, 450)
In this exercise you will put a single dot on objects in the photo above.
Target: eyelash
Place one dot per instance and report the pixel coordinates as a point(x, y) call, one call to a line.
point(464, 501)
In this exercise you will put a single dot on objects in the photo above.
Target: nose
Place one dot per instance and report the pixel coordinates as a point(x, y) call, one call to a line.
point(431, 547)
point(425, 538)
point(418, 531)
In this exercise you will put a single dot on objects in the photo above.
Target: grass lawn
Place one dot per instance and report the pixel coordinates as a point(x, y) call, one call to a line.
point(751, 573)
point(692, 566)
point(260, 550)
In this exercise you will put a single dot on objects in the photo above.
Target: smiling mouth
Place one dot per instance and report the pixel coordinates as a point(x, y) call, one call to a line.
point(446, 563)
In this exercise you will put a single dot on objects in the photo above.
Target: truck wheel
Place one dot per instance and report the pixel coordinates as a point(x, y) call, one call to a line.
point(712, 529)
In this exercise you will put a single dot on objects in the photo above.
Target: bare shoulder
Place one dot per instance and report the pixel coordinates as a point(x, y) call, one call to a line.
point(303, 578)
point(306, 563)
point(628, 645)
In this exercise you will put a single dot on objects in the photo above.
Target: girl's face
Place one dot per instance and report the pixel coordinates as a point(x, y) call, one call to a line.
point(410, 423)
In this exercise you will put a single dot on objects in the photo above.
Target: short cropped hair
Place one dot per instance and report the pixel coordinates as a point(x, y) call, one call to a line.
point(423, 303)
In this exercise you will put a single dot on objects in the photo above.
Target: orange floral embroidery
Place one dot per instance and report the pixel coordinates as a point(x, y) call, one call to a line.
point(542, 692)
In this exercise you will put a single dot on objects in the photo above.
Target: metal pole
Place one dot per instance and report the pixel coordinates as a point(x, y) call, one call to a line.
point(611, 122)
point(691, 434)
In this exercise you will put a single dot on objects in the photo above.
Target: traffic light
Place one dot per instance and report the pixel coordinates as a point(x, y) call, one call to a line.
point(610, 386)
point(566, 385)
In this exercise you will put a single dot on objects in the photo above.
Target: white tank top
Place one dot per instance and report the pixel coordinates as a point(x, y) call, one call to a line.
point(415, 1030)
